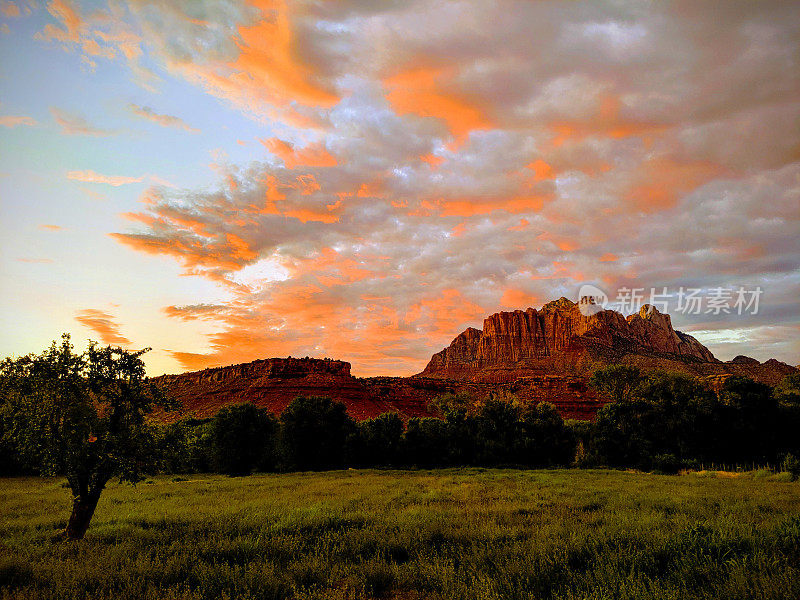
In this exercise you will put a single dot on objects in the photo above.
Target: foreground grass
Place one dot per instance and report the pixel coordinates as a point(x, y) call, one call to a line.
point(410, 534)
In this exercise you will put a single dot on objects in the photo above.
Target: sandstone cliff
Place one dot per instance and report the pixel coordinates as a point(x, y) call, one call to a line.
point(558, 338)
point(538, 355)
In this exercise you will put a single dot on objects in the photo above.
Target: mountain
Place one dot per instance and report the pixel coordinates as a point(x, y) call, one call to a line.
point(562, 339)
point(538, 355)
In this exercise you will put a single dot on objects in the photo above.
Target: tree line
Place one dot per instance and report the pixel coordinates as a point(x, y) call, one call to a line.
point(657, 421)
point(86, 416)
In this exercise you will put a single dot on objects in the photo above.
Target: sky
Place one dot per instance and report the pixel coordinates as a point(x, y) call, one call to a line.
point(224, 181)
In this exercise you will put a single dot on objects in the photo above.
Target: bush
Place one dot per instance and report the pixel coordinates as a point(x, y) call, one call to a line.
point(667, 464)
point(791, 464)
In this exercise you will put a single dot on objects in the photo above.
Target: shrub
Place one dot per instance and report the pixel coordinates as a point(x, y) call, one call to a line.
point(791, 464)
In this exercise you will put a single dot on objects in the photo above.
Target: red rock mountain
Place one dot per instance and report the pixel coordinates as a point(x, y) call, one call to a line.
point(559, 338)
point(539, 355)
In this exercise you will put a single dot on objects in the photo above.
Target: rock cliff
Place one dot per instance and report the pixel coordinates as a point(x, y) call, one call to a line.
point(538, 355)
point(560, 338)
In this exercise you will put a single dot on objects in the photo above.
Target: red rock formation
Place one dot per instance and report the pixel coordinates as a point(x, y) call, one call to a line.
point(559, 338)
point(538, 355)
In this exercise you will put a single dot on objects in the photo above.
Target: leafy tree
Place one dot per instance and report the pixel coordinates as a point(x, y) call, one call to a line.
point(314, 433)
point(544, 438)
point(497, 425)
point(379, 440)
point(666, 414)
point(81, 415)
point(751, 419)
point(243, 438)
point(619, 382)
point(425, 442)
point(461, 440)
point(787, 392)
point(452, 402)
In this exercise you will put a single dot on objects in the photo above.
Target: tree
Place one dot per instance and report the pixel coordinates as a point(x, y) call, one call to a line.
point(545, 439)
point(752, 419)
point(787, 392)
point(425, 442)
point(379, 439)
point(81, 415)
point(243, 438)
point(314, 433)
point(619, 382)
point(497, 427)
point(452, 402)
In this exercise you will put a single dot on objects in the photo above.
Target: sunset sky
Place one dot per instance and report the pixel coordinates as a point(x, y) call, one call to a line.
point(225, 181)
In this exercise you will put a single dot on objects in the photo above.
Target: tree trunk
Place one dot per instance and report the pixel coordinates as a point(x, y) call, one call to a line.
point(82, 512)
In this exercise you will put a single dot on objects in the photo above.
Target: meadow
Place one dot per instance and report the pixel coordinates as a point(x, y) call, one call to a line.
point(446, 534)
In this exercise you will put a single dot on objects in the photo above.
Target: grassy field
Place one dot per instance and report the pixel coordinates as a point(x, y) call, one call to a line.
point(448, 534)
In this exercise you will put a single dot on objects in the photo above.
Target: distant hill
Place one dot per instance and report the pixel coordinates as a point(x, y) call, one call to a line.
point(539, 355)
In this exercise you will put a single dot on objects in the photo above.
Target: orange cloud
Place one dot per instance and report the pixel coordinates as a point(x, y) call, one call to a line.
point(516, 298)
point(304, 215)
point(608, 257)
point(313, 155)
point(661, 182)
point(267, 58)
point(14, 121)
point(145, 112)
point(607, 122)
point(267, 74)
point(104, 325)
point(485, 206)
point(9, 9)
point(444, 314)
point(541, 170)
point(42, 261)
point(51, 227)
point(69, 18)
point(523, 224)
point(420, 91)
point(93, 177)
point(433, 160)
point(73, 124)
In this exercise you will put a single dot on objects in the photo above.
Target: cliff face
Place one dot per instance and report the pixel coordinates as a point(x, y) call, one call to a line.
point(559, 336)
point(273, 383)
point(538, 355)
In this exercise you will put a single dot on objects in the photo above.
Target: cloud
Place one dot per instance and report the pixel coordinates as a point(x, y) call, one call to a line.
point(74, 124)
point(90, 176)
point(9, 9)
point(48, 227)
point(15, 121)
point(423, 172)
point(43, 261)
point(104, 325)
point(149, 114)
point(313, 155)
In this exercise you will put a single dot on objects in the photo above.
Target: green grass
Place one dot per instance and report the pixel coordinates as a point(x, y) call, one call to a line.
point(448, 534)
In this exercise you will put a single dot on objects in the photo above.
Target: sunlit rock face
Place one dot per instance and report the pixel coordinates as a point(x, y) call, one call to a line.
point(559, 337)
point(543, 355)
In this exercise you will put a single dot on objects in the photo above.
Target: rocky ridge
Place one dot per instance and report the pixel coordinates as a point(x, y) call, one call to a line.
point(539, 355)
